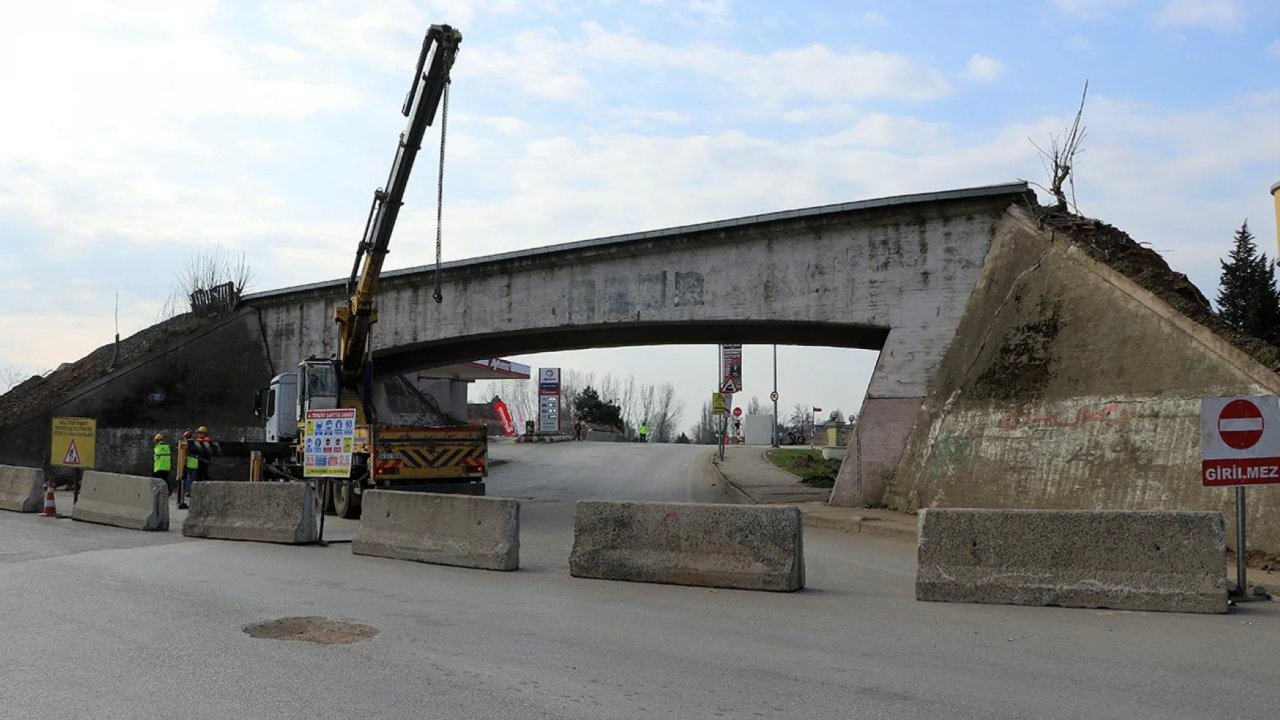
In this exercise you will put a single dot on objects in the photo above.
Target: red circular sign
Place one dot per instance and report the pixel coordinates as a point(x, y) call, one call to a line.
point(1240, 424)
point(737, 412)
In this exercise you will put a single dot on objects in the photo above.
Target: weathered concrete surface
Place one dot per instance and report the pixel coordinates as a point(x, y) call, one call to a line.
point(127, 501)
point(892, 274)
point(1154, 561)
point(278, 512)
point(21, 489)
point(206, 379)
point(748, 547)
point(475, 532)
point(1070, 387)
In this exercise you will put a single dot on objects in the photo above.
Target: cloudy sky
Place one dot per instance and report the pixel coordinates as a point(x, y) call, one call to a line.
point(137, 132)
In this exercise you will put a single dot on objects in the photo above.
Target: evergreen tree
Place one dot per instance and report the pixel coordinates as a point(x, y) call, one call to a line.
point(1247, 295)
point(1268, 327)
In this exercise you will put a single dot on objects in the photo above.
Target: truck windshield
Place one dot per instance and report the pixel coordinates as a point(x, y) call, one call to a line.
point(321, 381)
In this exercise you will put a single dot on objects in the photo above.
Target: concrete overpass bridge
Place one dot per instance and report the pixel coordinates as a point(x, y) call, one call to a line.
point(891, 274)
point(1021, 364)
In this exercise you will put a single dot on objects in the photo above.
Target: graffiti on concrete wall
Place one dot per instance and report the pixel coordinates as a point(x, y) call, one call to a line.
point(1113, 414)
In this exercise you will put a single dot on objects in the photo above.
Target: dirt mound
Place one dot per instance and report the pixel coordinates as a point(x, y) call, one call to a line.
point(36, 393)
point(1146, 267)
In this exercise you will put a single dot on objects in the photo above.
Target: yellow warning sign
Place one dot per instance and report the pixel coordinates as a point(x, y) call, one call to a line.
point(717, 403)
point(73, 442)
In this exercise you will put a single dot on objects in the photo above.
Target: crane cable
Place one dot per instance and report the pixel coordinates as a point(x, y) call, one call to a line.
point(444, 129)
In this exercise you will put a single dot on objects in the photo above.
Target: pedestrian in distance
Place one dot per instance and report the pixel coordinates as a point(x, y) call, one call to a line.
point(577, 430)
point(202, 464)
point(161, 460)
point(644, 431)
point(193, 464)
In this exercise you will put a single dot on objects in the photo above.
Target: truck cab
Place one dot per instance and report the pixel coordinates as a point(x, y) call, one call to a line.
point(277, 405)
point(284, 403)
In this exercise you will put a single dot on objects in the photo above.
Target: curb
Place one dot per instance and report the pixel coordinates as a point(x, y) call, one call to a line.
point(860, 525)
point(731, 488)
point(852, 524)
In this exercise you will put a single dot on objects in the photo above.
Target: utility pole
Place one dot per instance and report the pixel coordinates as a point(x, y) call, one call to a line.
point(1275, 194)
point(774, 396)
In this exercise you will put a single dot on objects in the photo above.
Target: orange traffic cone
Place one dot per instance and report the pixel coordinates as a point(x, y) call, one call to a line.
point(50, 502)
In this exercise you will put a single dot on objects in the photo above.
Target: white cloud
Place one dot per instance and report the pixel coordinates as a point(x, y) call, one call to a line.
point(1217, 14)
point(872, 19)
point(281, 54)
point(714, 10)
point(1079, 43)
point(983, 68)
point(534, 61)
point(1090, 9)
point(811, 71)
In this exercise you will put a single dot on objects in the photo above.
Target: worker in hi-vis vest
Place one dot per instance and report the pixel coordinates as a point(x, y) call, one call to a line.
point(162, 458)
point(193, 465)
point(644, 431)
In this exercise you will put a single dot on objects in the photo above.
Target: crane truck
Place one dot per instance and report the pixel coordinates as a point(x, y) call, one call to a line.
point(442, 457)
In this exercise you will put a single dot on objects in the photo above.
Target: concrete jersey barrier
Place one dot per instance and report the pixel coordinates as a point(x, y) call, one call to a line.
point(127, 501)
point(278, 512)
point(1125, 560)
point(749, 547)
point(21, 488)
point(462, 530)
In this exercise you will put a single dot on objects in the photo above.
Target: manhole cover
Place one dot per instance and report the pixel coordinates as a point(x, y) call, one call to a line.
point(311, 629)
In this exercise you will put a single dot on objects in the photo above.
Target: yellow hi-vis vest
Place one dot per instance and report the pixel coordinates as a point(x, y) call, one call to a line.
point(162, 458)
point(193, 462)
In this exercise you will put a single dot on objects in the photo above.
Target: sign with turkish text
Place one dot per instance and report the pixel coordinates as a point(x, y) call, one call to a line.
point(717, 403)
point(73, 442)
point(549, 400)
point(328, 442)
point(731, 369)
point(1240, 441)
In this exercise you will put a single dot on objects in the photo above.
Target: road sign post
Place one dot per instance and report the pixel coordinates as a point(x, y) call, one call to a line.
point(1240, 446)
point(773, 431)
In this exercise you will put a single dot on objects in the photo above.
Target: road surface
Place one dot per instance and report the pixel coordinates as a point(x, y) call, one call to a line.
point(102, 622)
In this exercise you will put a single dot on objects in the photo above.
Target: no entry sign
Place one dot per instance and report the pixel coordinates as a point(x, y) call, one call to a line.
point(1240, 441)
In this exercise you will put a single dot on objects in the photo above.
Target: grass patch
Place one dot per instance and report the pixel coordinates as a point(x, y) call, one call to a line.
point(808, 465)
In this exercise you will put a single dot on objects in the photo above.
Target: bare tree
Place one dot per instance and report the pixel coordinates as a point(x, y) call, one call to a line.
point(667, 411)
point(1060, 159)
point(11, 377)
point(646, 395)
point(205, 271)
point(801, 422)
point(704, 431)
point(627, 400)
point(755, 407)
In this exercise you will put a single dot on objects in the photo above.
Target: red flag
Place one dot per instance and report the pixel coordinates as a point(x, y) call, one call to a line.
point(504, 416)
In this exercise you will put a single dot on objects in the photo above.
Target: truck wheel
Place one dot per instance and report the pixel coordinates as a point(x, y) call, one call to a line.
point(346, 503)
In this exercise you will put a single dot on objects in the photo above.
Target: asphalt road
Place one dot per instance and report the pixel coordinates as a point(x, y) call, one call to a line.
point(101, 622)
